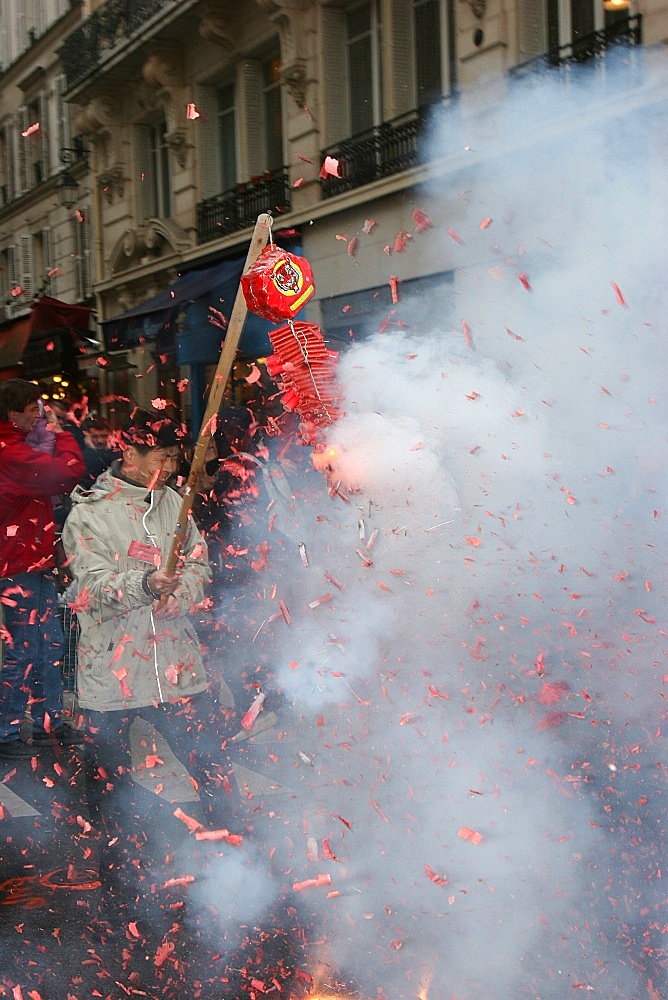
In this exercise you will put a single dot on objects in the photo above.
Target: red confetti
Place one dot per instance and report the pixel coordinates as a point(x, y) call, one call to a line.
point(618, 293)
point(433, 877)
point(324, 878)
point(466, 833)
point(524, 280)
point(330, 168)
point(421, 220)
point(400, 240)
point(191, 112)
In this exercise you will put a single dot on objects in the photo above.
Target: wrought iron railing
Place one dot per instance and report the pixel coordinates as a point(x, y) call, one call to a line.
point(599, 45)
point(239, 207)
point(381, 151)
point(109, 28)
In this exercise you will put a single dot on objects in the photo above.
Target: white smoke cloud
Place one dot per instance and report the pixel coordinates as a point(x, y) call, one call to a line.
point(494, 661)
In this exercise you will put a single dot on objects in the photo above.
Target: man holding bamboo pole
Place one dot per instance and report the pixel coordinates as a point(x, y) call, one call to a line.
point(139, 655)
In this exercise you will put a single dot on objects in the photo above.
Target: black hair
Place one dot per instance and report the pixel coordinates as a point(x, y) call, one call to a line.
point(15, 394)
point(147, 431)
point(95, 423)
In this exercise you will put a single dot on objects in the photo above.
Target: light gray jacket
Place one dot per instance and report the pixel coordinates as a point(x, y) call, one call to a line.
point(127, 657)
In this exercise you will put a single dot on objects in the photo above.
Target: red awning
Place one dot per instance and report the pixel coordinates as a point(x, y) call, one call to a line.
point(13, 340)
point(51, 314)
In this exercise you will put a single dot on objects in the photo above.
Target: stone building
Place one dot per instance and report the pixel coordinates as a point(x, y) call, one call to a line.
point(182, 120)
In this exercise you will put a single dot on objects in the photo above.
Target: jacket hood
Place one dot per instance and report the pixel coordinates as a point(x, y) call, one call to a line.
point(110, 484)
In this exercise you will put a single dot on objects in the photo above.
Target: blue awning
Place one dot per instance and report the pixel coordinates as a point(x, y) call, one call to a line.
point(190, 318)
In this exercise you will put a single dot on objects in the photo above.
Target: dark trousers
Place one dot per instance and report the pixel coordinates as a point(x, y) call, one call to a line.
point(31, 654)
point(129, 819)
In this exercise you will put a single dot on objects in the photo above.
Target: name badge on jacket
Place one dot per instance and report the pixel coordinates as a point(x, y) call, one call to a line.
point(145, 552)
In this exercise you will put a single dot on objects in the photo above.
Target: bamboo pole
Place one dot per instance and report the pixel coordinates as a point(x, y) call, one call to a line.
point(259, 240)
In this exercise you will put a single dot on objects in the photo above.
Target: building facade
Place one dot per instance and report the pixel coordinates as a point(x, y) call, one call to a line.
point(182, 120)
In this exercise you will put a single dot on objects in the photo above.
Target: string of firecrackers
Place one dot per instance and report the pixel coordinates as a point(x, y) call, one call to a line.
point(276, 287)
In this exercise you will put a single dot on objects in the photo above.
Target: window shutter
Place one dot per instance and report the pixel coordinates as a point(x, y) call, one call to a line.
point(207, 132)
point(13, 266)
point(4, 41)
point(62, 114)
point(335, 74)
point(86, 269)
point(81, 236)
point(398, 63)
point(253, 147)
point(26, 267)
point(20, 30)
point(8, 163)
point(532, 29)
point(47, 261)
point(44, 131)
point(25, 163)
point(145, 181)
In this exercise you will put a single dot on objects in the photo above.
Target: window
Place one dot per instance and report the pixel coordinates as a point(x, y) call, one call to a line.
point(153, 175)
point(33, 143)
point(62, 115)
point(45, 276)
point(262, 125)
point(427, 51)
point(227, 137)
point(273, 112)
point(363, 70)
point(382, 59)
point(9, 274)
point(240, 131)
point(217, 136)
point(547, 25)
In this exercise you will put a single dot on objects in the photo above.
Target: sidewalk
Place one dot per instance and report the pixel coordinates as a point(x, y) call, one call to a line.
point(53, 940)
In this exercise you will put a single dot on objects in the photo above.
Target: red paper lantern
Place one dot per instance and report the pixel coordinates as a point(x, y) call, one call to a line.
point(278, 284)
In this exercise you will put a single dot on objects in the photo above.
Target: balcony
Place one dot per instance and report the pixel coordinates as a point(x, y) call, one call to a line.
point(598, 48)
point(239, 207)
point(381, 151)
point(107, 31)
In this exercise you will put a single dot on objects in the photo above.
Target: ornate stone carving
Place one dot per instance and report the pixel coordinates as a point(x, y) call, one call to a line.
point(478, 7)
point(100, 121)
point(177, 141)
point(112, 182)
point(163, 71)
point(215, 27)
point(150, 241)
point(293, 78)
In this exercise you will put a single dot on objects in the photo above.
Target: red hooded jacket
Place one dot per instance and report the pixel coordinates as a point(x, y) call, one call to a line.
point(28, 480)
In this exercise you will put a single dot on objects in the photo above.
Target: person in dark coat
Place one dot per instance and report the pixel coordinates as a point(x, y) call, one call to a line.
point(98, 454)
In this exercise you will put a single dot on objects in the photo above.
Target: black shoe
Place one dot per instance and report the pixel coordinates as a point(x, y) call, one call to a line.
point(65, 735)
point(15, 749)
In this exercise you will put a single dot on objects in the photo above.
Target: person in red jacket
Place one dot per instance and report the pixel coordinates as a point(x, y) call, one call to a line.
point(32, 638)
